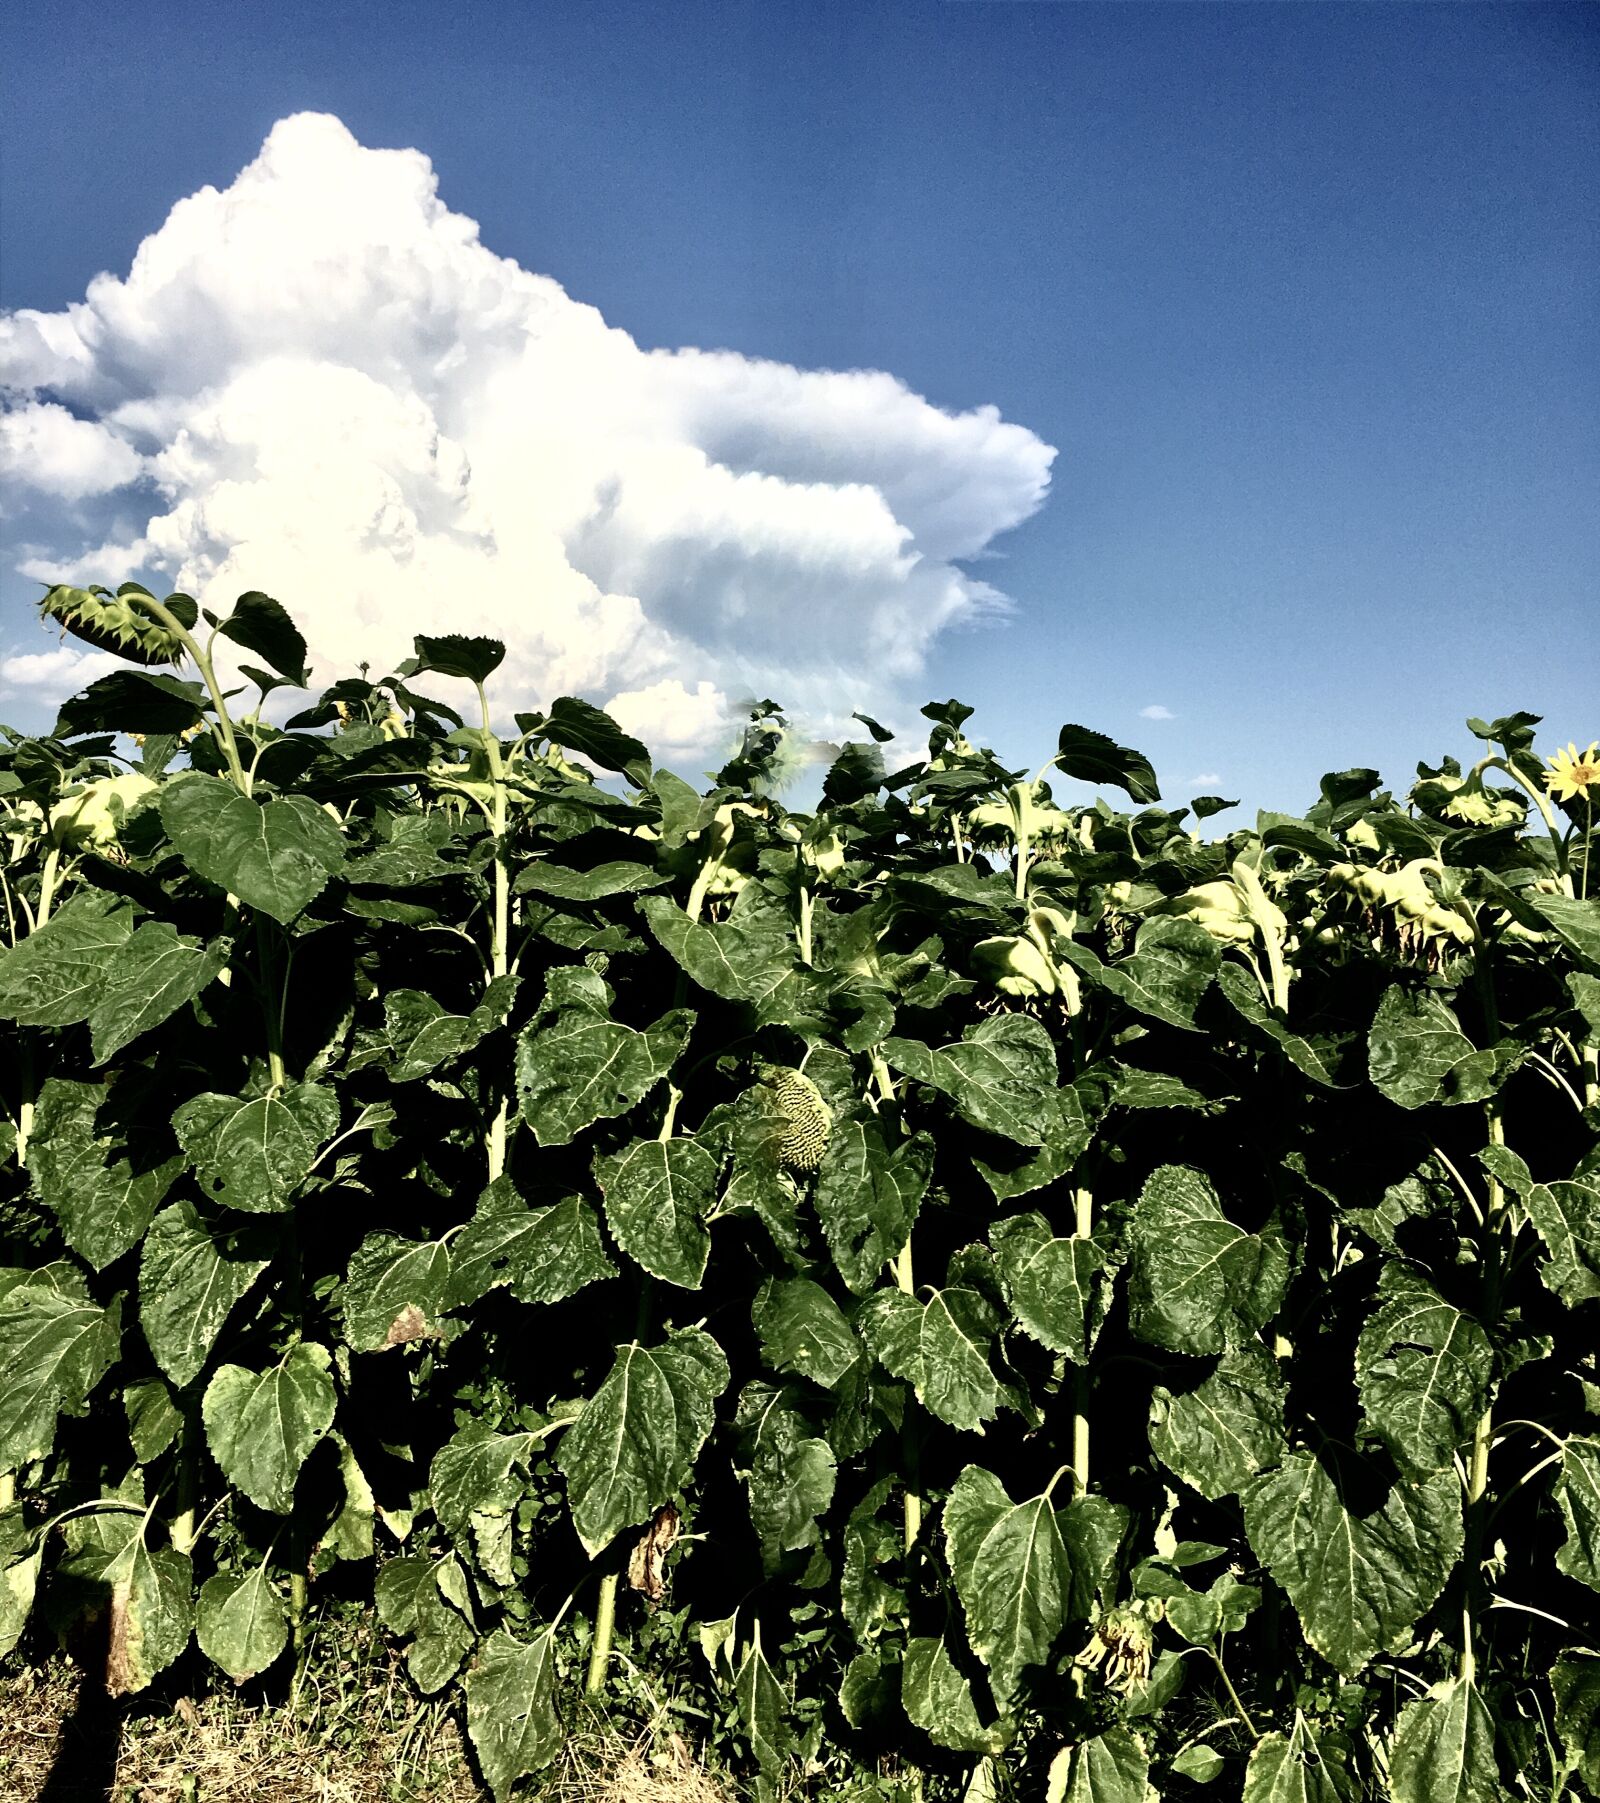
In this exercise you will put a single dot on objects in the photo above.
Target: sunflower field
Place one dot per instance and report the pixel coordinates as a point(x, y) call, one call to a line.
point(981, 1296)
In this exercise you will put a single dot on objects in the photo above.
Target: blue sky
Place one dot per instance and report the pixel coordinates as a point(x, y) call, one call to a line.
point(1304, 298)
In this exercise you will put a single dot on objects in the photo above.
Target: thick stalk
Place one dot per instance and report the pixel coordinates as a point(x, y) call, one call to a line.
point(202, 662)
point(1084, 1227)
point(605, 1625)
point(182, 1528)
point(500, 932)
point(1483, 1433)
point(905, 1281)
point(25, 1103)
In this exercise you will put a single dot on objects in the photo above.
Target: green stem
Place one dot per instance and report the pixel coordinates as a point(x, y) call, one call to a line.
point(1483, 1433)
point(803, 931)
point(202, 662)
point(500, 934)
point(906, 1282)
point(1233, 1696)
point(1083, 1229)
point(605, 1627)
point(182, 1528)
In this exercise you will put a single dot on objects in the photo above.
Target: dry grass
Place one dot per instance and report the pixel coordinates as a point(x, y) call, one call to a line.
point(371, 1741)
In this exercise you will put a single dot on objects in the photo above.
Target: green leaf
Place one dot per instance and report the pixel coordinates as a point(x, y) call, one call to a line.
point(1110, 1768)
point(276, 855)
point(1199, 1763)
point(1289, 1768)
point(867, 1691)
point(657, 1194)
point(102, 1186)
point(1013, 1573)
point(470, 659)
point(55, 1346)
point(1444, 1749)
point(1566, 1217)
point(638, 1437)
point(262, 1425)
point(1575, 1684)
point(1359, 1581)
point(254, 1152)
point(19, 1578)
point(1577, 1494)
point(241, 1622)
point(582, 1067)
point(1055, 1287)
point(1014, 1171)
point(424, 1599)
point(789, 1471)
point(476, 1485)
point(1424, 1370)
point(582, 727)
point(141, 701)
point(941, 1348)
point(803, 1331)
point(1093, 758)
point(1198, 1283)
point(147, 980)
point(1575, 923)
point(1220, 1434)
point(511, 1709)
point(763, 1709)
point(1244, 993)
point(394, 1292)
point(153, 1422)
point(1001, 1075)
point(869, 1189)
point(261, 625)
point(939, 1701)
point(191, 1273)
point(1171, 968)
point(542, 1255)
point(591, 885)
point(750, 957)
point(151, 1613)
point(55, 976)
point(1417, 1053)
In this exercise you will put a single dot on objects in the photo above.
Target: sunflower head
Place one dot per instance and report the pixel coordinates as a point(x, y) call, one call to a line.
point(804, 1119)
point(116, 622)
point(1573, 773)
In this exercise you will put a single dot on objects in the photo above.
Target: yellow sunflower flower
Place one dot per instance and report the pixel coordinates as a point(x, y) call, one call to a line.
point(1573, 773)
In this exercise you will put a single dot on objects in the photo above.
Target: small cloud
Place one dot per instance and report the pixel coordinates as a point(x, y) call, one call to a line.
point(1204, 779)
point(1156, 711)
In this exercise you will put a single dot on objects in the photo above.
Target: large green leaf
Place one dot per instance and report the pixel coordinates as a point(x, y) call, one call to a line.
point(1575, 923)
point(804, 1332)
point(427, 1601)
point(1244, 993)
point(1290, 1768)
point(789, 1470)
point(763, 1709)
point(869, 1188)
point(1056, 1287)
point(276, 855)
point(254, 1152)
point(1001, 1075)
point(241, 1622)
point(1423, 1369)
point(151, 1613)
point(583, 1067)
point(565, 884)
point(1566, 1217)
point(1218, 1435)
point(192, 1270)
point(394, 1292)
point(263, 626)
point(56, 975)
point(541, 1255)
point(750, 957)
point(511, 1709)
point(55, 1346)
point(1359, 1581)
point(657, 1195)
point(941, 1348)
point(1444, 1749)
point(1110, 1768)
point(147, 980)
point(1171, 968)
point(939, 1700)
point(103, 1184)
point(1198, 1282)
point(476, 1481)
point(1577, 1493)
point(1417, 1053)
point(1014, 1575)
point(638, 1437)
point(262, 1425)
point(1575, 1685)
point(1093, 758)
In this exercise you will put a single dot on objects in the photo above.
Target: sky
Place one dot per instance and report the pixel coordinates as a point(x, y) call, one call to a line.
point(1223, 377)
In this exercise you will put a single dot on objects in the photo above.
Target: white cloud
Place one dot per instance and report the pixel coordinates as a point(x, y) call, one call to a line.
point(45, 447)
point(1156, 712)
point(50, 674)
point(1204, 779)
point(340, 396)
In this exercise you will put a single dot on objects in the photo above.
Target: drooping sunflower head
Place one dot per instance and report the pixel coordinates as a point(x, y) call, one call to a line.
point(1573, 773)
point(804, 1119)
point(116, 623)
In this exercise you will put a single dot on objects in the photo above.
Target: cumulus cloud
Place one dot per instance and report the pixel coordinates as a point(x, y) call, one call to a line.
point(1156, 712)
point(319, 383)
point(51, 673)
point(1204, 779)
